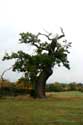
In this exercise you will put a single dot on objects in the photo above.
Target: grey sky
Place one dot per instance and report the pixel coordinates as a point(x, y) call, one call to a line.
point(35, 15)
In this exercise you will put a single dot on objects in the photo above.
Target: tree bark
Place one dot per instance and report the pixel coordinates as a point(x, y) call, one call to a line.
point(41, 82)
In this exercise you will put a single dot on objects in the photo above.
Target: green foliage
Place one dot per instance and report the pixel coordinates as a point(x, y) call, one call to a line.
point(73, 86)
point(60, 87)
point(47, 54)
point(57, 87)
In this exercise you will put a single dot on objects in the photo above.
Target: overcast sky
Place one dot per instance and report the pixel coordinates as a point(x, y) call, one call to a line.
point(35, 15)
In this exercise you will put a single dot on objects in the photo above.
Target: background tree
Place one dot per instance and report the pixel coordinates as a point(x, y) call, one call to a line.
point(37, 67)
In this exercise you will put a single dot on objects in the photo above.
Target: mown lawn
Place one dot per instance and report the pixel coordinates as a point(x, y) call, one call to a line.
point(64, 108)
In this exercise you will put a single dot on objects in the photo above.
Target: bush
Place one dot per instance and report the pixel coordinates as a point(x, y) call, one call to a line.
point(60, 87)
point(56, 87)
point(10, 89)
point(23, 83)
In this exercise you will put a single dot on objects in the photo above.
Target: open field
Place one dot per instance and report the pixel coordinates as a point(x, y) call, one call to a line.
point(64, 108)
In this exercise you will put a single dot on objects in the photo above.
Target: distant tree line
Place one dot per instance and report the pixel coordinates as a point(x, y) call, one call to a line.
point(21, 87)
point(60, 87)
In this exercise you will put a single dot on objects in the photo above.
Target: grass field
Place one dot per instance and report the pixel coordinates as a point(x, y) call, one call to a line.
point(64, 108)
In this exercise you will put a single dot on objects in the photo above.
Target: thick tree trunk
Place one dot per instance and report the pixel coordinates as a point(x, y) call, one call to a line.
point(41, 83)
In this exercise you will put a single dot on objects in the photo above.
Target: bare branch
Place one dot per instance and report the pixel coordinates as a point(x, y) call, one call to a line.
point(48, 36)
point(4, 73)
point(63, 35)
point(47, 32)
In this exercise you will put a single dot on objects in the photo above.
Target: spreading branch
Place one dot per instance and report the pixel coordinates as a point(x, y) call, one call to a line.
point(4, 73)
point(63, 35)
point(48, 36)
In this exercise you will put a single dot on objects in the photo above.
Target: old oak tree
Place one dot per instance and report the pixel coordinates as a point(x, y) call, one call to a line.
point(49, 50)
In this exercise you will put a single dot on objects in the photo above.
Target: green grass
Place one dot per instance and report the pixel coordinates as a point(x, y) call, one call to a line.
point(64, 108)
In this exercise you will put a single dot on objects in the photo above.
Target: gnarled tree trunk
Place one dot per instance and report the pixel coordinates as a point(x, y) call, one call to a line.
point(41, 82)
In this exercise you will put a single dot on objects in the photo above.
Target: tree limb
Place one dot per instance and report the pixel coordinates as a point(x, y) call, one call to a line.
point(35, 45)
point(48, 36)
point(4, 73)
point(63, 35)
